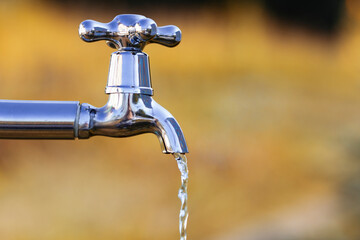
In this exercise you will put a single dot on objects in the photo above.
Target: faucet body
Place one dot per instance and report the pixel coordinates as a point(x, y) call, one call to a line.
point(129, 114)
point(130, 109)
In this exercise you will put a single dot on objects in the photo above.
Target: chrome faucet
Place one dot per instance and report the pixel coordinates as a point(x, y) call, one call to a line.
point(130, 110)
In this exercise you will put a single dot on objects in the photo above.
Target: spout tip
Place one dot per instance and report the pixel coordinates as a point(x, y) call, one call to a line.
point(171, 150)
point(172, 140)
point(168, 130)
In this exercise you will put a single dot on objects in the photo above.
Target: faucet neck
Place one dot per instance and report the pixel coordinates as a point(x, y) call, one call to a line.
point(129, 72)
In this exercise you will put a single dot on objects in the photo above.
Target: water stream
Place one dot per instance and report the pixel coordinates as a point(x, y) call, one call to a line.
point(183, 196)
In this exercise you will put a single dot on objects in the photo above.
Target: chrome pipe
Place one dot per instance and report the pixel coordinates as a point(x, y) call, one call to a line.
point(124, 115)
point(38, 119)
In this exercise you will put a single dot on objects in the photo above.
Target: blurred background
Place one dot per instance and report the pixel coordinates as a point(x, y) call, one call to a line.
point(266, 92)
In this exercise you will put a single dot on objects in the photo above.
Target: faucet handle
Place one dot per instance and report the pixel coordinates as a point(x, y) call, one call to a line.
point(129, 32)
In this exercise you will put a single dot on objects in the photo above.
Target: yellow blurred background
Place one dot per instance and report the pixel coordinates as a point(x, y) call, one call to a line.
point(270, 112)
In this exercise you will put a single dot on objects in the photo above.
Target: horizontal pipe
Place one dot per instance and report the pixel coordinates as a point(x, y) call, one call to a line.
point(38, 119)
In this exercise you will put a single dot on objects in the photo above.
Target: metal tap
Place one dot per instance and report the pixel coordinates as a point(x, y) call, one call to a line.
point(130, 110)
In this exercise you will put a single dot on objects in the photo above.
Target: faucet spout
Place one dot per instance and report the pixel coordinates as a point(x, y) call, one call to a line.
point(168, 131)
point(129, 114)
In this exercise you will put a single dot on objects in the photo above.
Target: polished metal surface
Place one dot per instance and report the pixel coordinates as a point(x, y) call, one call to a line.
point(130, 109)
point(130, 32)
point(129, 73)
point(38, 119)
point(129, 114)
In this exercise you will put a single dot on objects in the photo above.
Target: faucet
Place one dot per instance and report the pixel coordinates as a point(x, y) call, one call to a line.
point(130, 109)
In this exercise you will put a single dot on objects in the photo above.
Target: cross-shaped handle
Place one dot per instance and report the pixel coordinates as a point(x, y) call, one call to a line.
point(129, 32)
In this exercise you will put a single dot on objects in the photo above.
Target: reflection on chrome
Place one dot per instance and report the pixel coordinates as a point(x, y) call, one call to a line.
point(130, 109)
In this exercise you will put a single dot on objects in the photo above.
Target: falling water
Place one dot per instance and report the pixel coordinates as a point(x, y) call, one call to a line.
point(183, 216)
